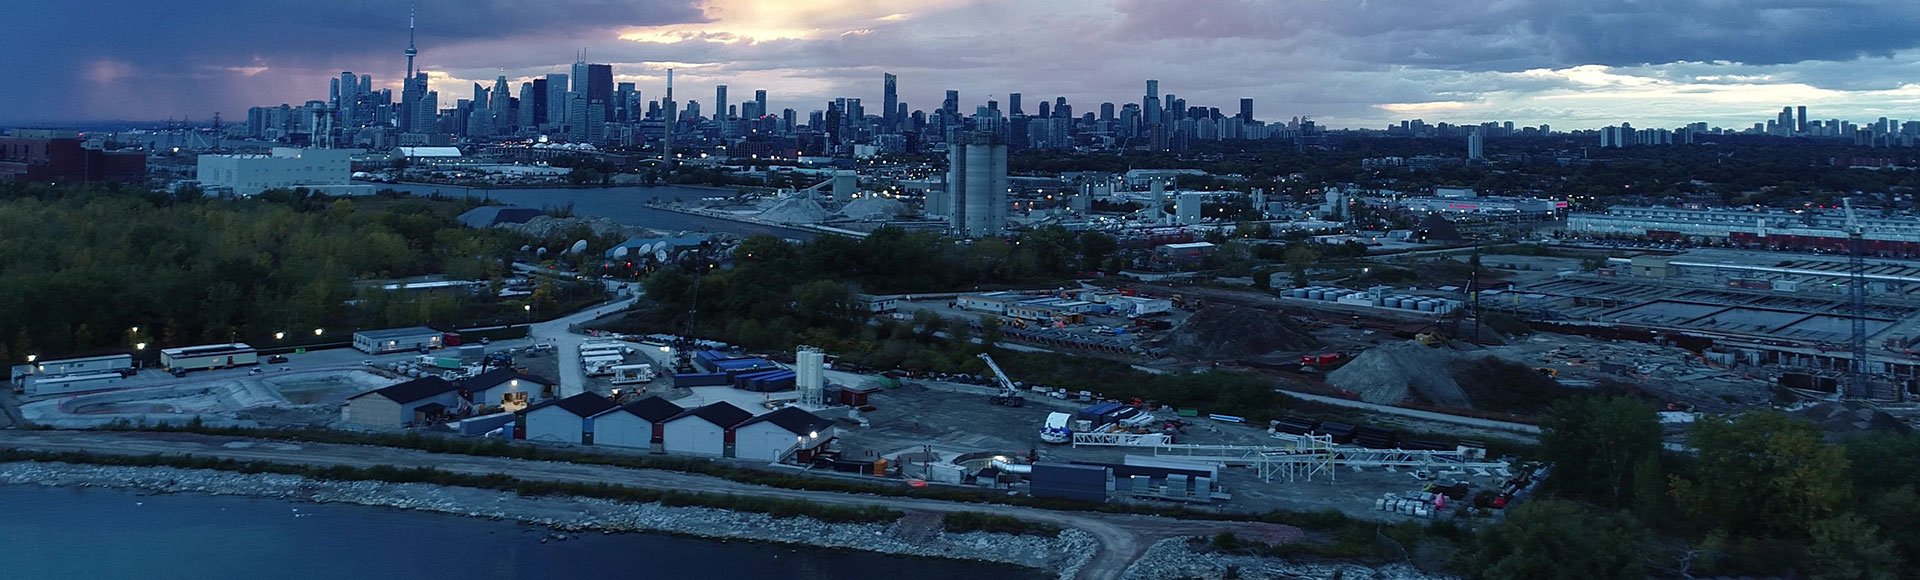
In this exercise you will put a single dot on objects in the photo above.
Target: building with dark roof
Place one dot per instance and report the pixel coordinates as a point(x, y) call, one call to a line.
point(507, 389)
point(404, 404)
point(788, 430)
point(638, 424)
point(562, 420)
point(51, 156)
point(492, 215)
point(704, 430)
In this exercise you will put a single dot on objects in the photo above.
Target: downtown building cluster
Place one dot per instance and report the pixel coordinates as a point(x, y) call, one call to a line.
point(585, 105)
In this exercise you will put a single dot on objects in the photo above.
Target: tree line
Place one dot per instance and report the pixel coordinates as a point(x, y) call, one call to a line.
point(91, 268)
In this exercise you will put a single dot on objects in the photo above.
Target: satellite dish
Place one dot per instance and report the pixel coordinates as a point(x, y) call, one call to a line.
point(526, 248)
point(660, 256)
point(580, 246)
point(620, 252)
point(652, 246)
point(543, 251)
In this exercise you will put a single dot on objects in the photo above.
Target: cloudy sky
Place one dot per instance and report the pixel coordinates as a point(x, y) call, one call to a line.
point(1571, 63)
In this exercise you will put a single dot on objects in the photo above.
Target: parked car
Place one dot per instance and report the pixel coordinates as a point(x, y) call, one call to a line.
point(276, 359)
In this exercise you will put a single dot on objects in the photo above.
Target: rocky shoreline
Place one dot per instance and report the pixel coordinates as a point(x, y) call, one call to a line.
point(915, 535)
point(1175, 558)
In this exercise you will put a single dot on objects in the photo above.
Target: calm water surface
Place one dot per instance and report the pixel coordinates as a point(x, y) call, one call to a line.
point(49, 533)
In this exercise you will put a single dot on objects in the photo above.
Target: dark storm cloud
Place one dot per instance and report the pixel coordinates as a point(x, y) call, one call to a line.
point(150, 59)
point(1549, 33)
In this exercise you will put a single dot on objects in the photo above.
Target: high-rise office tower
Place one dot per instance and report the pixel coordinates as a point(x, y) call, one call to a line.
point(977, 185)
point(579, 77)
point(1800, 121)
point(523, 112)
point(1013, 105)
point(1106, 112)
point(951, 106)
point(576, 117)
point(501, 106)
point(624, 97)
point(556, 100)
point(1062, 110)
point(1246, 110)
point(1150, 104)
point(600, 87)
point(760, 101)
point(1476, 148)
point(889, 99)
point(1046, 109)
point(720, 105)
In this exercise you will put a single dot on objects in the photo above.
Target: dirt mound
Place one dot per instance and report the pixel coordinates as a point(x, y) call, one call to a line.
point(1233, 332)
point(549, 227)
point(796, 209)
point(873, 208)
point(1393, 372)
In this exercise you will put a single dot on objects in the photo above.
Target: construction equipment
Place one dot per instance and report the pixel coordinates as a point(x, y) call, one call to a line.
point(1323, 362)
point(1857, 302)
point(1009, 395)
point(1430, 338)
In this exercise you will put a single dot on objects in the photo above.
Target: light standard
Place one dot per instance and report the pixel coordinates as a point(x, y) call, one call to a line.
point(282, 335)
point(317, 332)
point(529, 309)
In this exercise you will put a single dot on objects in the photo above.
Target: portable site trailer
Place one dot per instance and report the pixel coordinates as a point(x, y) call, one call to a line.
point(631, 374)
point(623, 347)
point(601, 353)
point(209, 357)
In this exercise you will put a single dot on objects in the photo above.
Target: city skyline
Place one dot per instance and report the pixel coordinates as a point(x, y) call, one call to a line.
point(1349, 66)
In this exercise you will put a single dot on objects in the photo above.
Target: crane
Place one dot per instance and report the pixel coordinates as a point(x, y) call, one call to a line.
point(1009, 392)
point(1856, 303)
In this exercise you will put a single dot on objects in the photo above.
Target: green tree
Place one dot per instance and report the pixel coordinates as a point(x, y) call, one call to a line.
point(1597, 443)
point(1848, 547)
point(1095, 247)
point(1553, 539)
point(1762, 474)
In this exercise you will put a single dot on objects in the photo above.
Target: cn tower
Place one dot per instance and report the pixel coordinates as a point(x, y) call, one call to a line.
point(411, 51)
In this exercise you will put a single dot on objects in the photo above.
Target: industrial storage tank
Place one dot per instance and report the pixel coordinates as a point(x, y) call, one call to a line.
point(1394, 301)
point(1426, 306)
point(1317, 294)
point(1297, 293)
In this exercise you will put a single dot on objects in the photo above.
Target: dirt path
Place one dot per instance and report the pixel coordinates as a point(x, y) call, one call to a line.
point(1122, 537)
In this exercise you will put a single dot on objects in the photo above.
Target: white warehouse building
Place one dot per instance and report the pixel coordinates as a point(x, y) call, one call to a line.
point(328, 171)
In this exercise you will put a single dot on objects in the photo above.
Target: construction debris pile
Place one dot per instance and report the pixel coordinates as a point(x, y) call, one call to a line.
point(872, 208)
point(796, 209)
point(1393, 372)
point(1232, 332)
point(548, 227)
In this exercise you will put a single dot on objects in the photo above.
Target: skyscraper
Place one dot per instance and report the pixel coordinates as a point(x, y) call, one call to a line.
point(977, 185)
point(889, 100)
point(1246, 110)
point(1800, 124)
point(720, 106)
point(501, 107)
point(1476, 149)
point(556, 101)
point(600, 87)
point(760, 101)
point(951, 106)
point(1150, 104)
point(1013, 105)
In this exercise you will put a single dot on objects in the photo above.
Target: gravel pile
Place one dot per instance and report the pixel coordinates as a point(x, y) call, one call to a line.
point(873, 208)
point(1233, 332)
point(1172, 558)
point(548, 227)
point(1067, 552)
point(796, 209)
point(1392, 372)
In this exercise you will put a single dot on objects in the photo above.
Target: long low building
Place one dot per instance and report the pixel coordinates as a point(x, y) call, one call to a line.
point(328, 171)
point(1820, 230)
point(213, 356)
point(396, 339)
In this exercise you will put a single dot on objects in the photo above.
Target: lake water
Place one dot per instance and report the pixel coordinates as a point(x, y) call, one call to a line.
point(627, 205)
point(51, 533)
